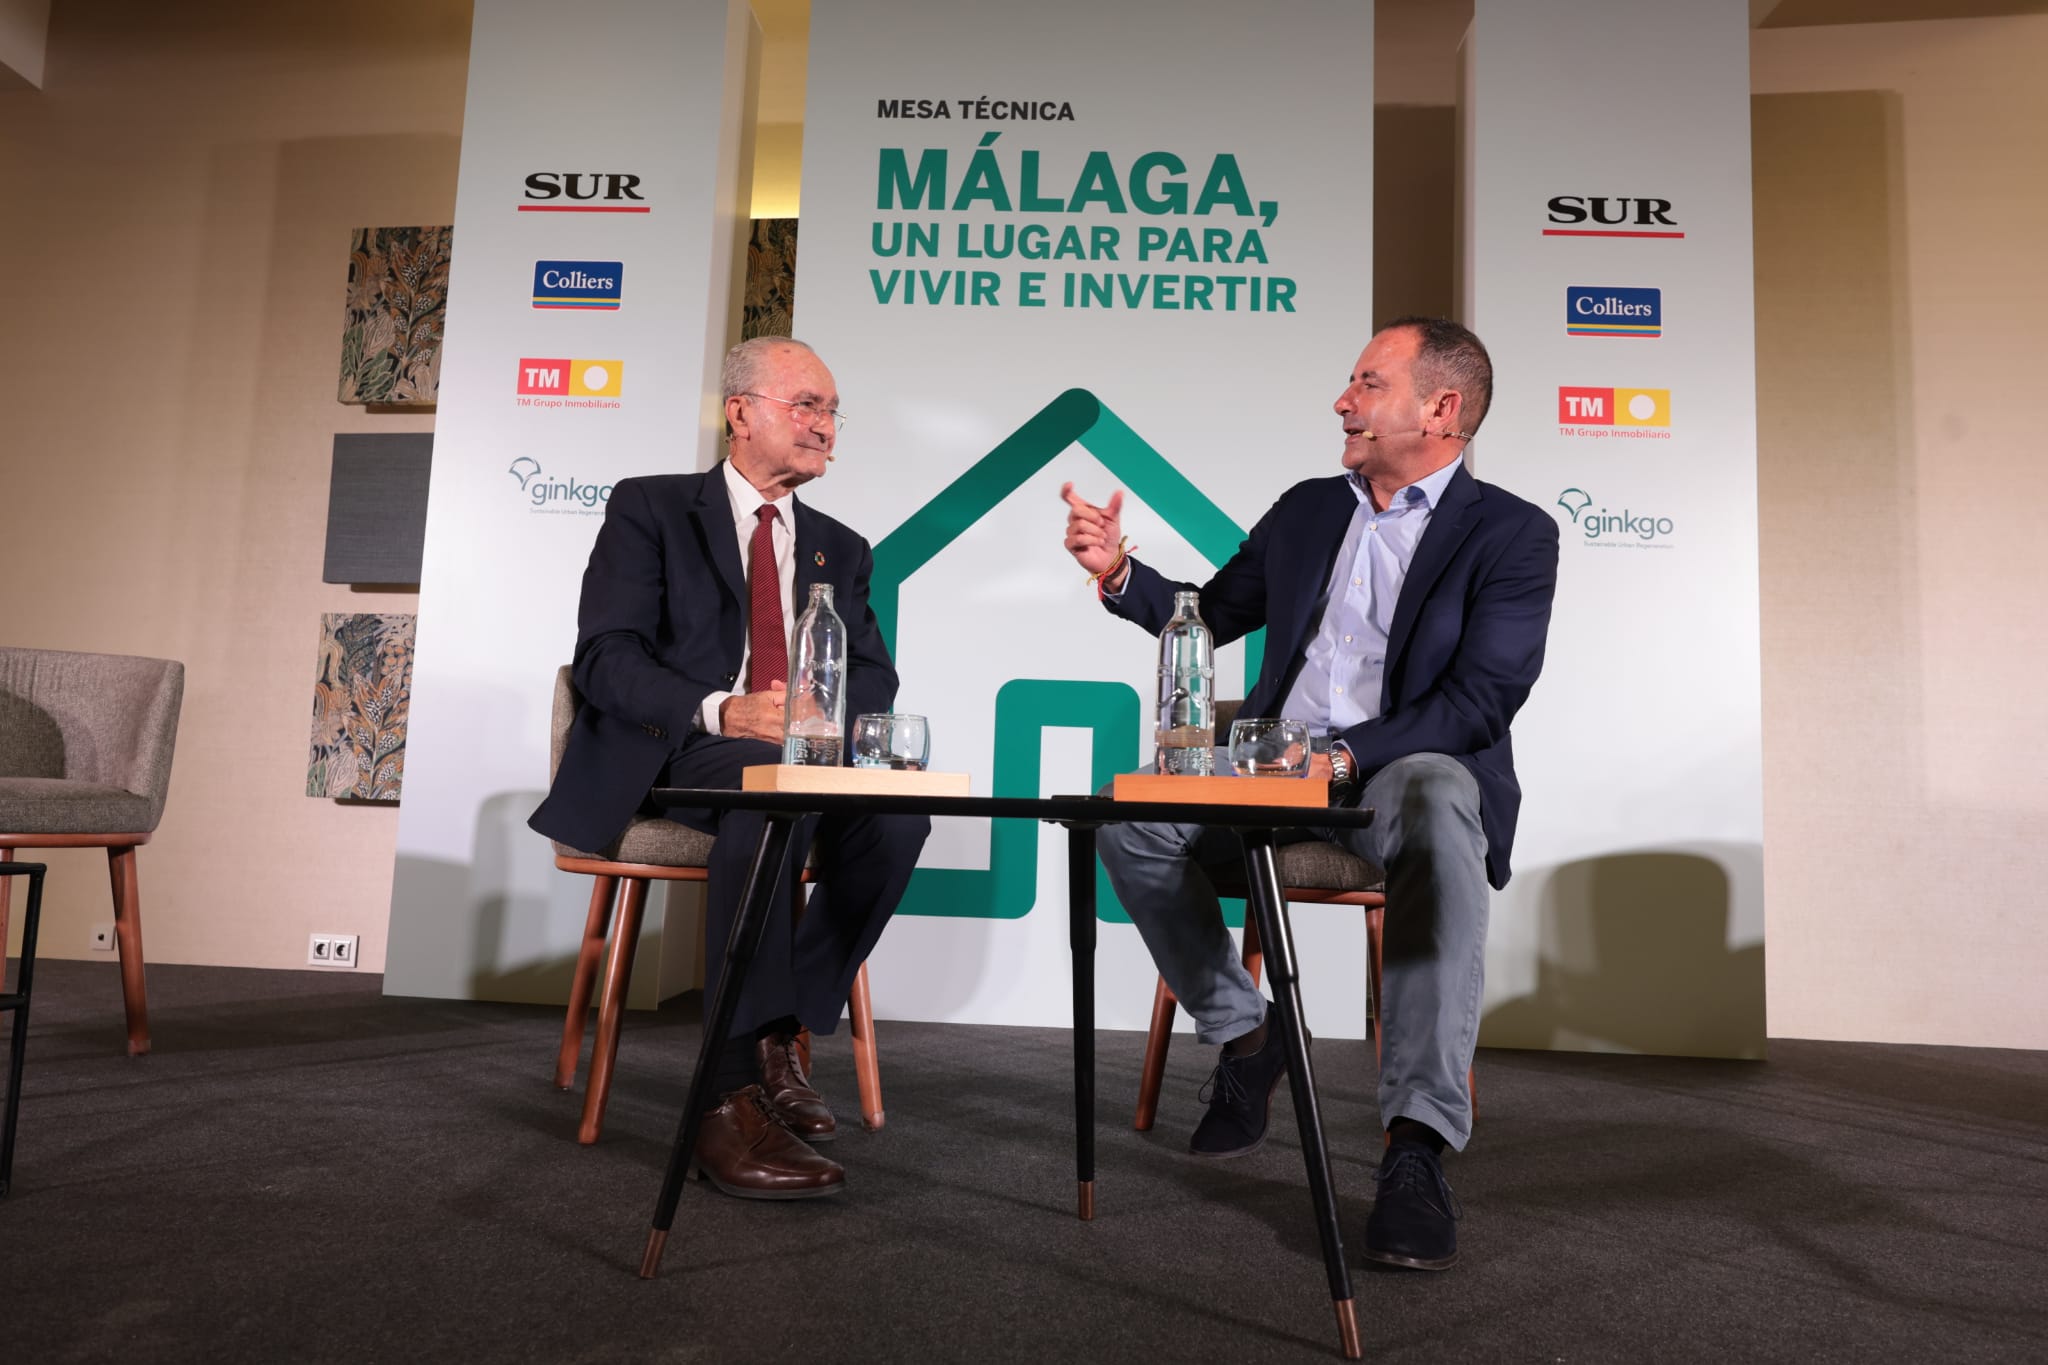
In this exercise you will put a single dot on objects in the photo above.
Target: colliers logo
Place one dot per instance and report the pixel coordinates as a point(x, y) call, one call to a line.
point(1577, 215)
point(578, 284)
point(570, 383)
point(1614, 412)
point(1623, 530)
point(583, 192)
point(556, 494)
point(1603, 310)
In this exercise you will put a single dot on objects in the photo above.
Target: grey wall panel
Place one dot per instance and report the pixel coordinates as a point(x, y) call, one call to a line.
point(377, 508)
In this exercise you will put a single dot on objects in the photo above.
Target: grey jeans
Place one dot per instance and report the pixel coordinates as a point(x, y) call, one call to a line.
point(1427, 836)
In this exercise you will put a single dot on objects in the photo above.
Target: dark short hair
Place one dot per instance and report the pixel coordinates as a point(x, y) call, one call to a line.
point(1451, 357)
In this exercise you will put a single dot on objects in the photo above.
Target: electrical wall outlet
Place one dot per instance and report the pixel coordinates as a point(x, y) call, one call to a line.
point(332, 950)
point(103, 938)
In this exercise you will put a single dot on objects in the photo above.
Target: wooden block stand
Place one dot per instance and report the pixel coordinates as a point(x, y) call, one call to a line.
point(798, 777)
point(1235, 791)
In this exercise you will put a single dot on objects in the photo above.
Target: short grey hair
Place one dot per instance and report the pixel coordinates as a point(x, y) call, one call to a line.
point(741, 372)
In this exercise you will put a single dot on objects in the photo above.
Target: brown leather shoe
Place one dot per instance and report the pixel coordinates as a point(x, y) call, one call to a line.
point(745, 1150)
point(786, 1080)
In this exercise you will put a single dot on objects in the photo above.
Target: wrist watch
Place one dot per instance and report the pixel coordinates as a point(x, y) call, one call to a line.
point(1340, 766)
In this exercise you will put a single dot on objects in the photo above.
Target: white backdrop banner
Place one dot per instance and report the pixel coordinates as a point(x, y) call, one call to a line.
point(1606, 222)
point(595, 217)
point(1127, 245)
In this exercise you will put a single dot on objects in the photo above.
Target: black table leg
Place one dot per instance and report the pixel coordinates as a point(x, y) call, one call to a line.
point(1262, 877)
point(763, 879)
point(1081, 937)
point(17, 1005)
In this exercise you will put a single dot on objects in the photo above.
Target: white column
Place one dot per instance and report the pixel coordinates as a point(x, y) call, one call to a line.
point(1606, 233)
point(596, 214)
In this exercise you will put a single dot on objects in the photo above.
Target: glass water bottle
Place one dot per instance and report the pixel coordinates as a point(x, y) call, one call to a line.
point(1187, 696)
point(815, 719)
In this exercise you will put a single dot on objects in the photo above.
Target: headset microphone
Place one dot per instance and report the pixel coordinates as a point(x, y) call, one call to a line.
point(1447, 435)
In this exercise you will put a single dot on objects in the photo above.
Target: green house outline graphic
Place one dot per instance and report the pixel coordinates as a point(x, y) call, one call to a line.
point(1025, 707)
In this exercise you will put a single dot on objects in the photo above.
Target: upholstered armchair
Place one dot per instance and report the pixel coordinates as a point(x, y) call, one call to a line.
point(85, 762)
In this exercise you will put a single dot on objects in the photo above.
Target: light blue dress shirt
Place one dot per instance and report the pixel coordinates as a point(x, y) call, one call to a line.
point(1340, 679)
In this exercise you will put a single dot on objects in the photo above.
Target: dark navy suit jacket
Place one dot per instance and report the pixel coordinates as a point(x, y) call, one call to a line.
point(1466, 642)
point(662, 624)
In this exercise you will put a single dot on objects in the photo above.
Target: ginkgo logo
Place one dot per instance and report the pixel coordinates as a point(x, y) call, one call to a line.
point(1628, 529)
point(557, 493)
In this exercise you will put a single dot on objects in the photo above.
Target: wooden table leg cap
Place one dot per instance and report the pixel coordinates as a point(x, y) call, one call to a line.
point(1087, 1209)
point(1347, 1328)
point(650, 1259)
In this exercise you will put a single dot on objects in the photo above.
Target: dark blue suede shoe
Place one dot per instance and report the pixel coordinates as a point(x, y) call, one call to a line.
point(1240, 1099)
point(1414, 1221)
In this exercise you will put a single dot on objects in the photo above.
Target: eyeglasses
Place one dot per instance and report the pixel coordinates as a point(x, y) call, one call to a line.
point(805, 411)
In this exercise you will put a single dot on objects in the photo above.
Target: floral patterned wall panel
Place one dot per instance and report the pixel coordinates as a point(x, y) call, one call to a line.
point(397, 304)
point(771, 279)
point(360, 700)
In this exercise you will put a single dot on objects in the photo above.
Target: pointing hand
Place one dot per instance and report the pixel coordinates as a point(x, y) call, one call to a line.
point(1093, 533)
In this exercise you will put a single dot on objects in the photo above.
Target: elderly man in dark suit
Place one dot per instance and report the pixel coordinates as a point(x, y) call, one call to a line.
point(1406, 606)
point(682, 658)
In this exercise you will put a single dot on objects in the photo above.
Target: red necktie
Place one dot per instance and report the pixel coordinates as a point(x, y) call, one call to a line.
point(769, 662)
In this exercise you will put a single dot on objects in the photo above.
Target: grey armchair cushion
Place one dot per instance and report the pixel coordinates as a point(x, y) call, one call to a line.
point(51, 805)
point(103, 726)
point(649, 839)
point(653, 840)
point(1309, 866)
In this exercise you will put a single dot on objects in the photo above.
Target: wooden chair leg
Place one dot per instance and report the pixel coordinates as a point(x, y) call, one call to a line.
point(1157, 1041)
point(128, 938)
point(611, 1006)
point(867, 1066)
point(6, 856)
point(603, 891)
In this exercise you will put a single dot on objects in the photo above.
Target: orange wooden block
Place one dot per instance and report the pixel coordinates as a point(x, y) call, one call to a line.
point(800, 777)
point(1223, 791)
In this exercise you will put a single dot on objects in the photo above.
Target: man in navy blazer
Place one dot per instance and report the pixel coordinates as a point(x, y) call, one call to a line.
point(1405, 606)
point(682, 663)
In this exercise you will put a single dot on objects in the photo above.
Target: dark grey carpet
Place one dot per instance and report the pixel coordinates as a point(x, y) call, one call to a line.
point(306, 1171)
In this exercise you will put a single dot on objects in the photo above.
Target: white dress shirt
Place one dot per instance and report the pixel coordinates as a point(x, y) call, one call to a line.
point(746, 501)
point(1345, 663)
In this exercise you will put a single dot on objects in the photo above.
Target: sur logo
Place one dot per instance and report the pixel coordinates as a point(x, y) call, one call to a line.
point(1025, 707)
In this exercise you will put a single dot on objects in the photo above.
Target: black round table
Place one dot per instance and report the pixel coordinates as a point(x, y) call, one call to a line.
point(1082, 816)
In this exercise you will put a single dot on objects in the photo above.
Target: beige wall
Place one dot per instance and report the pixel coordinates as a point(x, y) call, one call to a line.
point(176, 231)
point(168, 372)
point(1902, 321)
point(779, 105)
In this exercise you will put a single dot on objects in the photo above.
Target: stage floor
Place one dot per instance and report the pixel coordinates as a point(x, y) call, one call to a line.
point(307, 1171)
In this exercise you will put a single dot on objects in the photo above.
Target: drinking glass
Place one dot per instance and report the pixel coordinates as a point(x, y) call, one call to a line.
point(893, 741)
point(1269, 747)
